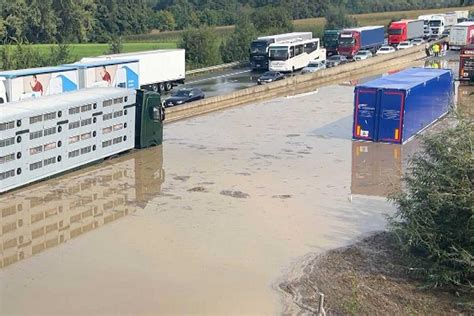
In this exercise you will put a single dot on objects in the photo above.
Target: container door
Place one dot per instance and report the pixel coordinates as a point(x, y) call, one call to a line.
point(391, 116)
point(364, 114)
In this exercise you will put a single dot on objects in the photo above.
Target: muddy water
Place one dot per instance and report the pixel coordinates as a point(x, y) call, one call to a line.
point(206, 224)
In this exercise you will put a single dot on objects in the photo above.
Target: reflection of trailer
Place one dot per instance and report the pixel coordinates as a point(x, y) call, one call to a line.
point(43, 137)
point(466, 65)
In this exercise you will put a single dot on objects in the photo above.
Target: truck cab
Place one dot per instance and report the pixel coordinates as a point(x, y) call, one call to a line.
point(259, 54)
point(331, 41)
point(437, 24)
point(349, 43)
point(397, 32)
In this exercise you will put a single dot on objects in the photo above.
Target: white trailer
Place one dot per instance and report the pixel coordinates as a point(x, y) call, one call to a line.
point(43, 137)
point(22, 84)
point(119, 73)
point(160, 70)
point(462, 34)
point(441, 24)
point(462, 15)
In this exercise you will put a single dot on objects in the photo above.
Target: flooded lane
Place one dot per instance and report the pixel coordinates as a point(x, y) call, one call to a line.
point(247, 192)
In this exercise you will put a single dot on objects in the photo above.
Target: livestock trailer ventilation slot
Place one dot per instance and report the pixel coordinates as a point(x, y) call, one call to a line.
point(395, 108)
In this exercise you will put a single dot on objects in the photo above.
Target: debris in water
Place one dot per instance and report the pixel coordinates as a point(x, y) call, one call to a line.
point(182, 178)
point(197, 189)
point(235, 194)
point(282, 196)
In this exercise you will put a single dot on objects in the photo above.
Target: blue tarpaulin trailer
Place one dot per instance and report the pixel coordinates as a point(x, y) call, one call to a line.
point(395, 108)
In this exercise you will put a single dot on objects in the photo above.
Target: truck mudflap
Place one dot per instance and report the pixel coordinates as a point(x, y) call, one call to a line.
point(378, 115)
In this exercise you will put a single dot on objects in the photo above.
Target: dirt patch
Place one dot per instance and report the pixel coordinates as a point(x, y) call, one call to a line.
point(366, 278)
point(197, 189)
point(235, 194)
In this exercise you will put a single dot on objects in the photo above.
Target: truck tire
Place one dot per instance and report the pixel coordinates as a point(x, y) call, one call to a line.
point(161, 87)
point(168, 86)
point(155, 87)
point(2, 101)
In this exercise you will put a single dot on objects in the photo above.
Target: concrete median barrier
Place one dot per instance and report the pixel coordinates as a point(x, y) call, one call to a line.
point(296, 83)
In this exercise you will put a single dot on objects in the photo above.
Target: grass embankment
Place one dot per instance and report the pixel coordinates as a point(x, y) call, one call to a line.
point(79, 51)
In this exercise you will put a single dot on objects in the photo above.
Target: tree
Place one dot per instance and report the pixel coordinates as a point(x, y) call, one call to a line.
point(272, 20)
point(336, 18)
point(202, 48)
point(236, 48)
point(115, 45)
point(41, 22)
point(435, 212)
point(163, 20)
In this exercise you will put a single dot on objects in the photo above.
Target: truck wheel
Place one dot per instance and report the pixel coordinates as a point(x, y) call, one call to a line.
point(161, 87)
point(168, 86)
point(155, 88)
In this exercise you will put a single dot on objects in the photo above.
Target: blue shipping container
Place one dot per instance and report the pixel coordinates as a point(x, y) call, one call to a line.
point(371, 36)
point(395, 108)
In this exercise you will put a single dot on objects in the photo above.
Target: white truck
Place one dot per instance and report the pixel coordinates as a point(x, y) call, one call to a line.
point(462, 34)
point(23, 84)
point(440, 24)
point(462, 15)
point(426, 20)
point(160, 70)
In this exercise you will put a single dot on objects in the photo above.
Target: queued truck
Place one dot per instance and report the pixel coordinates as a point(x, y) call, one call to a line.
point(331, 41)
point(462, 34)
point(259, 47)
point(160, 70)
point(426, 21)
point(405, 30)
point(441, 24)
point(353, 40)
point(466, 65)
point(16, 85)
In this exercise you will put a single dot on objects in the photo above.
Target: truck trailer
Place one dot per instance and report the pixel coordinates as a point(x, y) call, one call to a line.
point(405, 30)
point(23, 84)
point(462, 34)
point(43, 137)
point(259, 47)
point(440, 24)
point(395, 108)
point(160, 70)
point(362, 38)
point(119, 73)
point(466, 65)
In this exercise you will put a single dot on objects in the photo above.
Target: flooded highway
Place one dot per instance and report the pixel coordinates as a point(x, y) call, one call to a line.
point(205, 224)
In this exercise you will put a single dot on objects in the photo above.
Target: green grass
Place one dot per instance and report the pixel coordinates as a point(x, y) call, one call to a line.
point(79, 51)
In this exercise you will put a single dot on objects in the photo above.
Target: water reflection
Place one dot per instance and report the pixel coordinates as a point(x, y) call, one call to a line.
point(465, 103)
point(377, 168)
point(48, 214)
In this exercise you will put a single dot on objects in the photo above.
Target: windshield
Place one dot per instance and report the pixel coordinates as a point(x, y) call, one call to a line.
point(258, 47)
point(346, 41)
point(269, 74)
point(361, 53)
point(335, 57)
point(435, 23)
point(313, 65)
point(394, 31)
point(278, 53)
point(383, 49)
point(181, 93)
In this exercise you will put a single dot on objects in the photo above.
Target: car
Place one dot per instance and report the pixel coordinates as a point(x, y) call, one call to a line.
point(404, 45)
point(362, 55)
point(385, 50)
point(336, 60)
point(270, 76)
point(314, 66)
point(418, 41)
point(183, 96)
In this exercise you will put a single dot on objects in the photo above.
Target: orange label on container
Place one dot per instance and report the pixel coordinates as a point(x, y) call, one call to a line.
point(397, 134)
point(358, 130)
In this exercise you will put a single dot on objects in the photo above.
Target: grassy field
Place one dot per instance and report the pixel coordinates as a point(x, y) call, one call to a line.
point(87, 50)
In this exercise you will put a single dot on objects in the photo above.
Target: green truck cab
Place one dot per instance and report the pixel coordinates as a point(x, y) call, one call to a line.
point(149, 118)
point(331, 41)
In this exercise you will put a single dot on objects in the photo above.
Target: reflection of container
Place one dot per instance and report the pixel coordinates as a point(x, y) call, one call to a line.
point(394, 108)
point(377, 168)
point(465, 103)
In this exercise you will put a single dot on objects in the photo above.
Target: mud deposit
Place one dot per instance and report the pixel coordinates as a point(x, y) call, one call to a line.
point(206, 224)
point(366, 278)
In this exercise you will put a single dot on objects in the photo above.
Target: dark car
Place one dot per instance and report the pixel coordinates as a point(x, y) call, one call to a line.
point(335, 60)
point(184, 95)
point(270, 76)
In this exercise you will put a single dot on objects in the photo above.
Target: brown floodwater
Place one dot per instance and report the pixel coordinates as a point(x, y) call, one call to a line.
point(205, 224)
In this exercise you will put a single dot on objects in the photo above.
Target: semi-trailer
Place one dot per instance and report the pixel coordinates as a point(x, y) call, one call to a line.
point(22, 84)
point(441, 24)
point(395, 108)
point(426, 20)
point(405, 30)
point(362, 38)
point(160, 70)
point(43, 137)
point(466, 65)
point(259, 47)
point(462, 34)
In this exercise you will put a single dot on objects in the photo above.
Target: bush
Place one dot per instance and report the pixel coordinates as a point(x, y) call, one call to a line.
point(435, 212)
point(236, 47)
point(202, 47)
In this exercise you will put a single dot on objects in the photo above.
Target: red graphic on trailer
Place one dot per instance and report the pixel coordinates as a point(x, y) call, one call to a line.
point(36, 86)
point(106, 76)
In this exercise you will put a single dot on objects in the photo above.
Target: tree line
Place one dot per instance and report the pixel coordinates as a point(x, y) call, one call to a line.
point(81, 21)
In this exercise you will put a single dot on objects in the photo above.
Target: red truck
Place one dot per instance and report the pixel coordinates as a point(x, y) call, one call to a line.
point(405, 30)
point(361, 38)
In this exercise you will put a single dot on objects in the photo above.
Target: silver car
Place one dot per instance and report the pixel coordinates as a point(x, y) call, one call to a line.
point(314, 66)
point(362, 55)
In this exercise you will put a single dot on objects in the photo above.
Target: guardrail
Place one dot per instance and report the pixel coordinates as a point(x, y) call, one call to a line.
point(300, 82)
point(216, 67)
